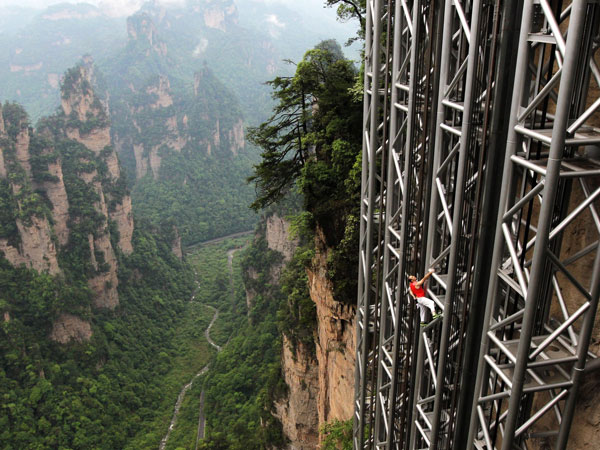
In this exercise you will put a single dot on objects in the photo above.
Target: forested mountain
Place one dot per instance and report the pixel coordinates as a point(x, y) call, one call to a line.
point(183, 80)
point(87, 300)
point(299, 272)
point(147, 149)
point(243, 49)
point(180, 133)
point(36, 48)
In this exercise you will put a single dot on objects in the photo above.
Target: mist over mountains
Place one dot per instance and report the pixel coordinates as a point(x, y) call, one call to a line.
point(247, 43)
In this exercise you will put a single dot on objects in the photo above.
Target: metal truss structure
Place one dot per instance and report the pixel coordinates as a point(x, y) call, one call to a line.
point(447, 155)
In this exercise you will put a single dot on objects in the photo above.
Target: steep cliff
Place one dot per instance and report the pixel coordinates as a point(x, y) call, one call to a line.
point(317, 364)
point(335, 342)
point(87, 123)
point(297, 411)
point(65, 209)
point(25, 230)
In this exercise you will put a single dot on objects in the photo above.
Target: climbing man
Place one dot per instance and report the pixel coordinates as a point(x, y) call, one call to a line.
point(417, 290)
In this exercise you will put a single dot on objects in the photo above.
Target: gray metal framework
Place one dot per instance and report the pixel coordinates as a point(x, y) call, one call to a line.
point(376, 79)
point(464, 116)
point(438, 82)
point(535, 342)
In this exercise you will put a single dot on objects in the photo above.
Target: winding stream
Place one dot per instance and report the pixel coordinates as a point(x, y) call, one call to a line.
point(181, 396)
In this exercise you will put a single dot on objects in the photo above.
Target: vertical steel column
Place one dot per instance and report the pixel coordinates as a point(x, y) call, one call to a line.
point(447, 140)
point(467, 92)
point(456, 273)
point(367, 299)
point(391, 307)
point(531, 338)
point(412, 91)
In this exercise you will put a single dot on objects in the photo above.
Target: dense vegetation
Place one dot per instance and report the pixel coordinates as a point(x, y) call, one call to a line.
point(180, 132)
point(311, 144)
point(118, 389)
point(103, 393)
point(245, 376)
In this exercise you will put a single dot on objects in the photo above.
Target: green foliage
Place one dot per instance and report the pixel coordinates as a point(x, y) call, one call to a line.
point(120, 384)
point(200, 186)
point(297, 314)
point(314, 109)
point(245, 376)
point(327, 176)
point(15, 119)
point(217, 289)
point(8, 214)
point(205, 196)
point(337, 435)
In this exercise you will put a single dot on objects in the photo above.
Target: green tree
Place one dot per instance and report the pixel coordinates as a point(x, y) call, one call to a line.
point(311, 110)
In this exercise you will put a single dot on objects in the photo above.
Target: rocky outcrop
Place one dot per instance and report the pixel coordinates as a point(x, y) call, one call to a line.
point(34, 246)
point(57, 194)
point(141, 162)
point(176, 244)
point(251, 293)
point(81, 101)
point(96, 140)
point(42, 223)
point(335, 343)
point(36, 249)
point(278, 237)
point(104, 284)
point(141, 28)
point(297, 412)
point(320, 386)
point(22, 150)
point(123, 216)
point(162, 92)
point(155, 161)
point(69, 328)
point(218, 16)
point(2, 164)
point(236, 137)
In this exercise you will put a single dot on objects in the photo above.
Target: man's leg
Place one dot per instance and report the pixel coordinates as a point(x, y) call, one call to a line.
point(421, 311)
point(425, 302)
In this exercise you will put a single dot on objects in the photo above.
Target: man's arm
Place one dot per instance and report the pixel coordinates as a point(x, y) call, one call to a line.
point(420, 282)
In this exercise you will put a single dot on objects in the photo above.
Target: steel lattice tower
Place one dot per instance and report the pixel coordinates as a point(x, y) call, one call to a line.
point(478, 158)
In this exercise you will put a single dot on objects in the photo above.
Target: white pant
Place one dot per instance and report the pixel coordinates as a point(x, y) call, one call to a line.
point(423, 303)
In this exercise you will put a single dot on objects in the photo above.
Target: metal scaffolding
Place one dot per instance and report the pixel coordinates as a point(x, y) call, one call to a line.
point(439, 77)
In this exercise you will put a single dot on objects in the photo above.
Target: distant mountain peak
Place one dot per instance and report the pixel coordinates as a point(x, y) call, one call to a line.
point(142, 29)
point(67, 11)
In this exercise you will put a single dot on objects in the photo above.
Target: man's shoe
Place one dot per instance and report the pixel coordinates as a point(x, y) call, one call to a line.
point(437, 316)
point(423, 324)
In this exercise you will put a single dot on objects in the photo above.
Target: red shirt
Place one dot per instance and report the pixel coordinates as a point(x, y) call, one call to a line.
point(417, 291)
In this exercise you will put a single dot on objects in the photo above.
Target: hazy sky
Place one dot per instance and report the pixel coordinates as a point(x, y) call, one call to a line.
point(126, 7)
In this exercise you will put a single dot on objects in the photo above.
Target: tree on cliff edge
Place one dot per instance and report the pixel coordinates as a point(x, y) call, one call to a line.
point(315, 108)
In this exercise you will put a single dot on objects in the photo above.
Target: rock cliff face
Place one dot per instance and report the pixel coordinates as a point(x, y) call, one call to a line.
point(141, 28)
point(157, 120)
point(297, 412)
point(69, 328)
point(60, 182)
point(188, 125)
point(278, 239)
point(31, 242)
point(321, 386)
point(335, 342)
point(82, 105)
